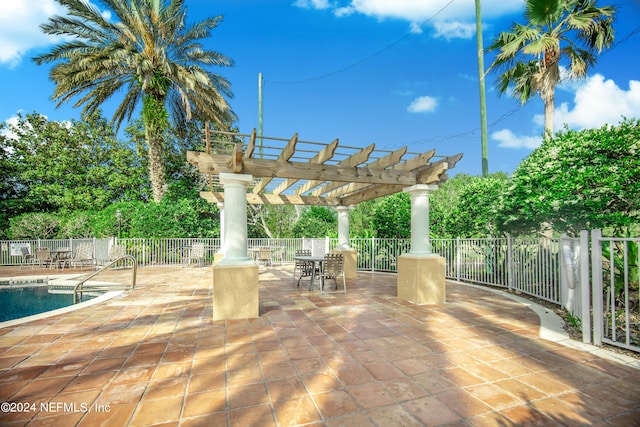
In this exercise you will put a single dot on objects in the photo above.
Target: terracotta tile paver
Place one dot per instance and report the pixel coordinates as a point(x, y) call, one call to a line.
point(155, 356)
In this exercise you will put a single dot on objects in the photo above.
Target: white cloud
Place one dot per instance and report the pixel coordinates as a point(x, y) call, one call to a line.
point(312, 4)
point(451, 19)
point(423, 104)
point(19, 31)
point(20, 27)
point(6, 131)
point(597, 102)
point(507, 139)
point(455, 30)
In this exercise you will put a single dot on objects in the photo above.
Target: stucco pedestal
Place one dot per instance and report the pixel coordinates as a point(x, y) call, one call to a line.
point(217, 257)
point(421, 279)
point(350, 262)
point(235, 292)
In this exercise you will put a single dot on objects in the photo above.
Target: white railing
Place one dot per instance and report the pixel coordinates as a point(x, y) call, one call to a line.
point(616, 300)
point(550, 269)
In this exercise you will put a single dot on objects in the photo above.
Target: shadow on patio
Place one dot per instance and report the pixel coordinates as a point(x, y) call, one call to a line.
point(156, 356)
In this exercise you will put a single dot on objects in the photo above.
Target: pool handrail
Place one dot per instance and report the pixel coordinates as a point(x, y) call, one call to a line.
point(79, 288)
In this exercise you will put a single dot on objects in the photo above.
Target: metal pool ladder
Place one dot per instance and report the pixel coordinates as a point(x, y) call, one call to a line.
point(82, 286)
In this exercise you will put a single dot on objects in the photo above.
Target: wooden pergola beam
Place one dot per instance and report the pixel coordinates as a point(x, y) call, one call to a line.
point(274, 199)
point(323, 155)
point(354, 160)
point(410, 164)
point(272, 168)
point(375, 191)
point(380, 164)
point(284, 156)
point(251, 146)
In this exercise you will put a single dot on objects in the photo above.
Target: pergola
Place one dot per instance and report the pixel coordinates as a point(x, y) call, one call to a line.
point(296, 172)
point(289, 171)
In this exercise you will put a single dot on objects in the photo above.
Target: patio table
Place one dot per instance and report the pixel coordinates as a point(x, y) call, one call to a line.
point(317, 266)
point(60, 256)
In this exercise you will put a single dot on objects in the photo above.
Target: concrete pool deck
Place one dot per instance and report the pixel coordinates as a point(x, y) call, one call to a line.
point(154, 356)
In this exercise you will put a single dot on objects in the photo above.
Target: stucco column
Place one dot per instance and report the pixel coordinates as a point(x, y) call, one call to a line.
point(221, 209)
point(420, 241)
point(235, 206)
point(343, 226)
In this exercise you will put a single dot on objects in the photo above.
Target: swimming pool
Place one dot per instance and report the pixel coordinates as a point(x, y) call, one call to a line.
point(29, 299)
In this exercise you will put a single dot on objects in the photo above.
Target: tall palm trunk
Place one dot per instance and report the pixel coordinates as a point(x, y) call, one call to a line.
point(549, 110)
point(155, 118)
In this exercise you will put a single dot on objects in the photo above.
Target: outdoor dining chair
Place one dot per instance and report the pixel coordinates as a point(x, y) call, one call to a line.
point(304, 267)
point(197, 254)
point(27, 256)
point(332, 268)
point(43, 257)
point(264, 255)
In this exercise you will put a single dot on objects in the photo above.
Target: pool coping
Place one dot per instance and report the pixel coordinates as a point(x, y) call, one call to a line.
point(21, 280)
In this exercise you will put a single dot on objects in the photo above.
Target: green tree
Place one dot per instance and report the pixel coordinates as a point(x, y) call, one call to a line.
point(556, 30)
point(441, 205)
point(151, 54)
point(316, 221)
point(474, 214)
point(577, 181)
point(76, 165)
point(33, 225)
point(392, 216)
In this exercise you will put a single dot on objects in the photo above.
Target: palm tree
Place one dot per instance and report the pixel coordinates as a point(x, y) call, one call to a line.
point(149, 52)
point(530, 54)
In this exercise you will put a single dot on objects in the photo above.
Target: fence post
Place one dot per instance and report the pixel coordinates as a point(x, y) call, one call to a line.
point(509, 262)
point(585, 288)
point(458, 258)
point(596, 282)
point(373, 255)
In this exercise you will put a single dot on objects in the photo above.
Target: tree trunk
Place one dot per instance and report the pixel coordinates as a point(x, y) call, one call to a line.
point(549, 109)
point(155, 118)
point(156, 163)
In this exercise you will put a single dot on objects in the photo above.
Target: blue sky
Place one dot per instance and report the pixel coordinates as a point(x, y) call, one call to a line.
point(394, 73)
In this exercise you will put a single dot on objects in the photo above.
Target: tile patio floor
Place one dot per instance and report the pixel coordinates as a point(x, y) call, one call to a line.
point(155, 357)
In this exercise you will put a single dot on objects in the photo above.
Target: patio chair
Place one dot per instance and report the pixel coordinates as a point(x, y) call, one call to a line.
point(83, 255)
point(281, 253)
point(264, 256)
point(61, 256)
point(304, 267)
point(115, 252)
point(332, 268)
point(43, 257)
point(27, 257)
point(197, 254)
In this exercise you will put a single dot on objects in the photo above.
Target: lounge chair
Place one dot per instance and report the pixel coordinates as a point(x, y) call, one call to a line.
point(83, 255)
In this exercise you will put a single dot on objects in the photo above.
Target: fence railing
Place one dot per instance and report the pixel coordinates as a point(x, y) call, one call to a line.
point(561, 271)
point(616, 282)
point(526, 265)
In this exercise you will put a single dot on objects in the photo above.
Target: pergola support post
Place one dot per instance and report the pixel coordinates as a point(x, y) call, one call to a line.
point(218, 255)
point(235, 277)
point(344, 248)
point(421, 273)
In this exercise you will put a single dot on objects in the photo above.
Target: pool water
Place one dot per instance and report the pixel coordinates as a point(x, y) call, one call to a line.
point(17, 302)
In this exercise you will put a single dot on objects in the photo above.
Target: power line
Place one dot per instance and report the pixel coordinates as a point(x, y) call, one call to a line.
point(365, 59)
point(443, 138)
